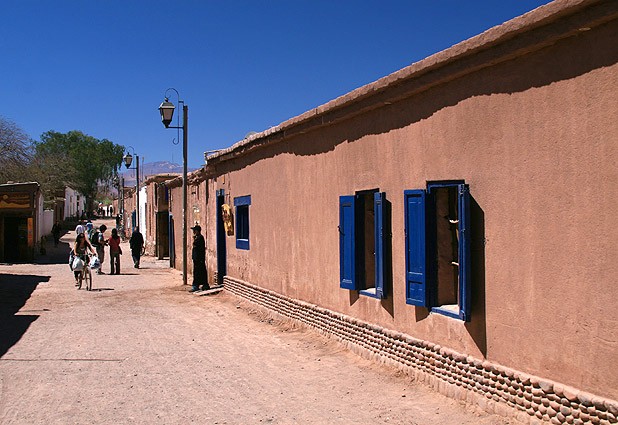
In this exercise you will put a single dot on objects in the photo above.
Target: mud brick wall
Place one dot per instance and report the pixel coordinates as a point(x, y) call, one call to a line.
point(492, 387)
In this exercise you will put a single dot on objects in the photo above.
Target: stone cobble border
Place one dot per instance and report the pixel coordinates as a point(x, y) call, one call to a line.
point(492, 387)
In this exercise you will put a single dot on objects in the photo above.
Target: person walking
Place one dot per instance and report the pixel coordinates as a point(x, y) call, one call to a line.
point(198, 255)
point(114, 252)
point(137, 246)
point(56, 229)
point(89, 228)
point(80, 229)
point(98, 241)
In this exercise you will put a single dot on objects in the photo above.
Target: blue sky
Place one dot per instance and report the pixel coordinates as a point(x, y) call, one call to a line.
point(103, 66)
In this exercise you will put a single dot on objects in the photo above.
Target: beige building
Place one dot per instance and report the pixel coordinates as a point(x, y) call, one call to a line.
point(453, 219)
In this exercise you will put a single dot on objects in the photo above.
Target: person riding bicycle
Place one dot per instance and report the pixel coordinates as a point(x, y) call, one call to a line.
point(80, 249)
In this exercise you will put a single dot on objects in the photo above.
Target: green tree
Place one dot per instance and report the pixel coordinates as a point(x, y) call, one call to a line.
point(85, 161)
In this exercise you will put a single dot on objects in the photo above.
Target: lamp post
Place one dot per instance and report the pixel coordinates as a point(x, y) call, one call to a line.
point(119, 182)
point(128, 159)
point(167, 112)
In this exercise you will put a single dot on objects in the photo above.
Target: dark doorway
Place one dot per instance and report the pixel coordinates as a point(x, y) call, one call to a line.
point(16, 239)
point(172, 246)
point(221, 239)
point(163, 228)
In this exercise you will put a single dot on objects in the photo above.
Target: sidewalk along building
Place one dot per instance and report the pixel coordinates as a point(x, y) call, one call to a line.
point(453, 219)
point(21, 217)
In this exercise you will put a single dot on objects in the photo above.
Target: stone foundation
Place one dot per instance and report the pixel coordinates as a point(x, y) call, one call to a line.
point(492, 387)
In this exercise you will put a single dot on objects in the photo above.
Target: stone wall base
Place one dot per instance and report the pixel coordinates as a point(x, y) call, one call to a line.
point(492, 387)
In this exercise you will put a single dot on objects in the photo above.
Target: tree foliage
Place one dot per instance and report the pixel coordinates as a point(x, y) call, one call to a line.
point(85, 161)
point(15, 152)
point(57, 160)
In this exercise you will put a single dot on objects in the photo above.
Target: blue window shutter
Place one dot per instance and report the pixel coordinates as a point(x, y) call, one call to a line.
point(378, 209)
point(347, 242)
point(416, 247)
point(465, 281)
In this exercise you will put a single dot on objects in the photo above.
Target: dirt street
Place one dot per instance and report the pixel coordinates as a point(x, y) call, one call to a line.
point(139, 349)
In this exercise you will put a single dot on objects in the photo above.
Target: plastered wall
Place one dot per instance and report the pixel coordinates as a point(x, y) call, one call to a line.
point(535, 139)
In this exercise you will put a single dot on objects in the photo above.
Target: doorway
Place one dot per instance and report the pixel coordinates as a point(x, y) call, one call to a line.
point(221, 238)
point(16, 240)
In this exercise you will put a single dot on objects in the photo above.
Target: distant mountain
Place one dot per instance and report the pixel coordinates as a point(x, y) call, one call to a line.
point(151, 168)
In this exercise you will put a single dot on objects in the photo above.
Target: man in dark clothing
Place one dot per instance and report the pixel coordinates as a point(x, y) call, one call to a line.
point(198, 255)
point(56, 229)
point(137, 246)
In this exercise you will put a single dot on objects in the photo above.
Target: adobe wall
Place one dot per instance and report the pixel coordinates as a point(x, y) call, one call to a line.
point(196, 214)
point(151, 218)
point(175, 209)
point(535, 138)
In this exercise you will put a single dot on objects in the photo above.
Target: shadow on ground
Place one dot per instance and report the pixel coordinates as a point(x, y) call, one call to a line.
point(14, 292)
point(54, 254)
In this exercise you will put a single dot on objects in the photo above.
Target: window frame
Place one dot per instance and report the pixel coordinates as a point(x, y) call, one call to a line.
point(429, 244)
point(242, 242)
point(349, 261)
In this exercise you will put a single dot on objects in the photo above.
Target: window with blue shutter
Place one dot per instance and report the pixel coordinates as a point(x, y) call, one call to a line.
point(464, 252)
point(241, 205)
point(380, 230)
point(437, 226)
point(363, 243)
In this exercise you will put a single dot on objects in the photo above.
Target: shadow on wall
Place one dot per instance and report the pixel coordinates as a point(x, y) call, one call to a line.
point(14, 292)
point(477, 326)
point(593, 49)
point(387, 302)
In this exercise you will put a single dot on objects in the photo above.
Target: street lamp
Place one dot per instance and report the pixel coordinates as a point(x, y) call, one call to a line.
point(166, 110)
point(119, 182)
point(128, 159)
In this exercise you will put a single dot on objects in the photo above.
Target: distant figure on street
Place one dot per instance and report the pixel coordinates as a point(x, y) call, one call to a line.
point(80, 229)
point(198, 255)
point(137, 246)
point(56, 229)
point(89, 230)
point(114, 252)
point(98, 241)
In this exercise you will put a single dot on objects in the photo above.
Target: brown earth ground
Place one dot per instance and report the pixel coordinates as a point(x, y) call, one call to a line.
point(139, 349)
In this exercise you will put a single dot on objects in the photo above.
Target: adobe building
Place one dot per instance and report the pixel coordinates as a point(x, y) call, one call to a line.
point(68, 204)
point(157, 215)
point(128, 216)
point(453, 219)
point(21, 217)
point(196, 202)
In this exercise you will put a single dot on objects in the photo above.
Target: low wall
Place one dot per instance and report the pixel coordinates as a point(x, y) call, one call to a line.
point(494, 388)
point(47, 222)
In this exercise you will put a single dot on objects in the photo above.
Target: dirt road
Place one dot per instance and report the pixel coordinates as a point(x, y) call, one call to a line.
point(139, 349)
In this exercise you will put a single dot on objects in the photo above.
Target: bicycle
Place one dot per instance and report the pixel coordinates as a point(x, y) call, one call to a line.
point(85, 274)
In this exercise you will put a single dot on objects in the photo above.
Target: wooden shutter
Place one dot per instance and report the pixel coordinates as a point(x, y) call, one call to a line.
point(465, 283)
point(378, 209)
point(416, 247)
point(347, 242)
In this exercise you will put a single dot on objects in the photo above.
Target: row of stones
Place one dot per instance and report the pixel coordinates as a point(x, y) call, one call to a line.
point(541, 399)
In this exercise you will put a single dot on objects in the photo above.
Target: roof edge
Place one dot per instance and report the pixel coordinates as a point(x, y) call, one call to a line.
point(503, 33)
